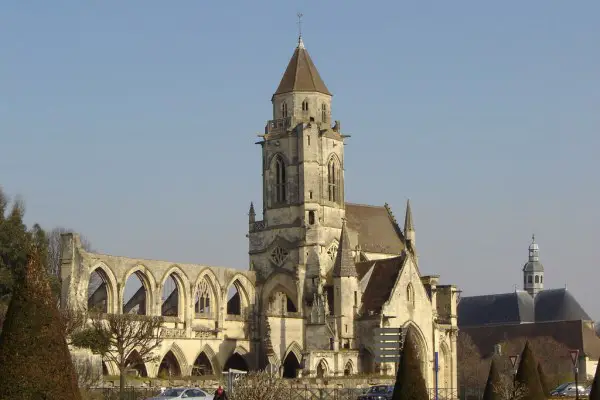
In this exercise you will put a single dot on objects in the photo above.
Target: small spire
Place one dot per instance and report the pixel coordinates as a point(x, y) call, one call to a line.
point(251, 212)
point(409, 227)
point(300, 42)
point(344, 260)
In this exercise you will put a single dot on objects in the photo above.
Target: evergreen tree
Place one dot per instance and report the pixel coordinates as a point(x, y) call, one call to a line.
point(543, 380)
point(35, 362)
point(595, 393)
point(410, 383)
point(494, 381)
point(528, 377)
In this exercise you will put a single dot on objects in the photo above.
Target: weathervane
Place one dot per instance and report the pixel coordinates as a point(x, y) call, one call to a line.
point(300, 15)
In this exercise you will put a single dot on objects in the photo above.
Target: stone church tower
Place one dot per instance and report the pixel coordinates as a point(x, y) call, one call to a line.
point(303, 184)
point(533, 270)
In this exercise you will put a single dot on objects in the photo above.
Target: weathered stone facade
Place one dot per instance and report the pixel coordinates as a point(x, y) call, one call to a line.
point(323, 273)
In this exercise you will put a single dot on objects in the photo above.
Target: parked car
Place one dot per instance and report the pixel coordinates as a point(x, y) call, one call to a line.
point(379, 392)
point(569, 390)
point(183, 393)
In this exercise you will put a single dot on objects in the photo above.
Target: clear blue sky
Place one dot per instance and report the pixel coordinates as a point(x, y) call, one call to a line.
point(134, 122)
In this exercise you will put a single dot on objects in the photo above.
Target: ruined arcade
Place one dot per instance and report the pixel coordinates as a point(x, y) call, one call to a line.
point(323, 272)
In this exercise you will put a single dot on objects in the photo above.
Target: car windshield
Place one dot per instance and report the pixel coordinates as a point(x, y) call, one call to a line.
point(560, 387)
point(172, 392)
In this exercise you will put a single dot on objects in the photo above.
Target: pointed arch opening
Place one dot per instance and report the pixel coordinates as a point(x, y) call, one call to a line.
point(236, 361)
point(323, 112)
point(280, 304)
point(280, 179)
point(202, 366)
point(135, 364)
point(410, 294)
point(169, 366)
point(333, 180)
point(236, 299)
point(291, 365)
point(348, 369)
point(204, 302)
point(322, 369)
point(100, 292)
point(305, 105)
point(136, 294)
point(172, 298)
point(284, 110)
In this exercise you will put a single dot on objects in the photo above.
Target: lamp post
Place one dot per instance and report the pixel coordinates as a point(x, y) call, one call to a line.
point(575, 358)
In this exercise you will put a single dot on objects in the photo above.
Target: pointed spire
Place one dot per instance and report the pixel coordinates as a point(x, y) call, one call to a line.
point(409, 228)
point(251, 213)
point(301, 75)
point(344, 261)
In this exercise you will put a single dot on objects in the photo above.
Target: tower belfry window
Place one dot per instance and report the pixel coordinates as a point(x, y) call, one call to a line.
point(280, 193)
point(305, 105)
point(324, 112)
point(284, 110)
point(333, 180)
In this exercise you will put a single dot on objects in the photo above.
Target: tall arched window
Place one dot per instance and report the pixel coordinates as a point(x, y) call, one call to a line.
point(305, 105)
point(530, 279)
point(284, 110)
point(537, 279)
point(280, 195)
point(324, 112)
point(333, 179)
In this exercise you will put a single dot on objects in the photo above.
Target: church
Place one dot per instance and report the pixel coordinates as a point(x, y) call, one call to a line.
point(324, 273)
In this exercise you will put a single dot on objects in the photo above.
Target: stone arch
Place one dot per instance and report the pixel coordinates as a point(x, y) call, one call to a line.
point(243, 288)
point(135, 362)
point(422, 351)
point(108, 278)
point(182, 282)
point(111, 367)
point(208, 276)
point(283, 156)
point(445, 366)
point(148, 283)
point(173, 362)
point(349, 368)
point(410, 294)
point(279, 282)
point(295, 348)
point(322, 368)
point(334, 178)
point(292, 362)
point(237, 360)
point(332, 249)
point(211, 357)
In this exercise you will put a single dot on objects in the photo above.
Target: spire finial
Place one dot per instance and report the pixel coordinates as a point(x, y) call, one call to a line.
point(300, 42)
point(533, 238)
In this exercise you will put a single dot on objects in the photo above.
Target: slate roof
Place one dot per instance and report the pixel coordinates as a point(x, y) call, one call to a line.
point(301, 75)
point(381, 275)
point(573, 334)
point(495, 309)
point(373, 228)
point(558, 305)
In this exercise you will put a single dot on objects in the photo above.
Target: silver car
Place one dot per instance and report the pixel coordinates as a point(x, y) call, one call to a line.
point(183, 393)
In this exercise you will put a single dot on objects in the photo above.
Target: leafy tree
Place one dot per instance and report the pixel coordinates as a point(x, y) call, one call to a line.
point(595, 393)
point(543, 380)
point(527, 375)
point(35, 362)
point(492, 391)
point(410, 383)
point(116, 336)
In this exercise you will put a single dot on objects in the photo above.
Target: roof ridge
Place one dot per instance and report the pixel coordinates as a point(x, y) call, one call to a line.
point(363, 205)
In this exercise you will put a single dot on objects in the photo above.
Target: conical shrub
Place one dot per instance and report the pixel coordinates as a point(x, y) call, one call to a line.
point(35, 362)
point(595, 393)
point(543, 380)
point(494, 381)
point(410, 383)
point(528, 377)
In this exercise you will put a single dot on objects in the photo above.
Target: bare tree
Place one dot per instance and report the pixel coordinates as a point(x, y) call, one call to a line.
point(54, 248)
point(472, 371)
point(261, 385)
point(116, 336)
point(508, 389)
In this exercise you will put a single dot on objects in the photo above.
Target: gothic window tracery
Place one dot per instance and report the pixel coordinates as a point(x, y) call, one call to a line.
point(203, 298)
point(333, 180)
point(332, 251)
point(279, 255)
point(280, 190)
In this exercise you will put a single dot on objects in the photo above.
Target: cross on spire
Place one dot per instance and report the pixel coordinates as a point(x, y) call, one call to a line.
point(300, 42)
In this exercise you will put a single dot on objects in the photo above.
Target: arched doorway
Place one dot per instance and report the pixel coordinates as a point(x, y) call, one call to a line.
point(169, 366)
point(134, 363)
point(236, 361)
point(202, 366)
point(291, 365)
point(321, 369)
point(348, 369)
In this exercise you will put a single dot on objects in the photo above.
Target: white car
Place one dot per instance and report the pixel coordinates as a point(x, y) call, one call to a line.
point(183, 393)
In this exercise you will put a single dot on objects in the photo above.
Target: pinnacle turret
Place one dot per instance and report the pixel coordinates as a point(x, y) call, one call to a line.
point(344, 261)
point(409, 228)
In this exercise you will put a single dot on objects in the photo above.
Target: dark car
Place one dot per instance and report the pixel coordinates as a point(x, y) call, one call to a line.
point(379, 392)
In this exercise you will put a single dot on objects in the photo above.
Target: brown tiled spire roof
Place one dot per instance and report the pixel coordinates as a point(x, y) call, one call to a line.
point(301, 75)
point(344, 261)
